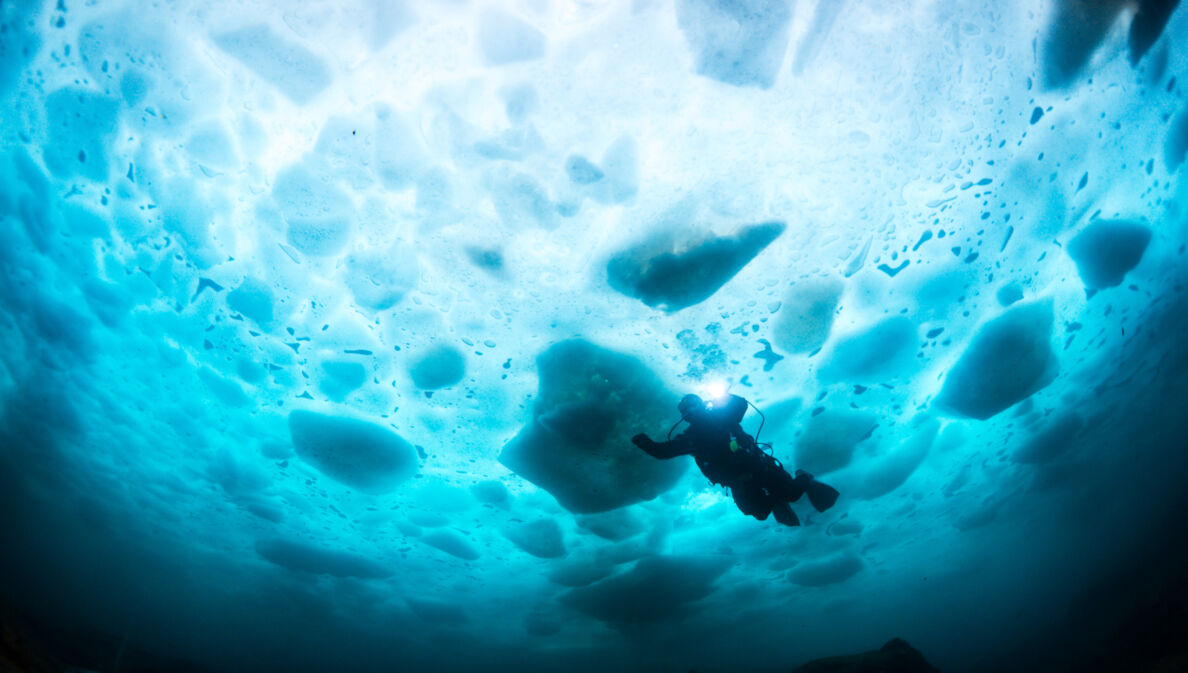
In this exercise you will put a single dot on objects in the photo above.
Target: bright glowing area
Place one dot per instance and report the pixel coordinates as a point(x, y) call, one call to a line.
point(714, 391)
point(328, 329)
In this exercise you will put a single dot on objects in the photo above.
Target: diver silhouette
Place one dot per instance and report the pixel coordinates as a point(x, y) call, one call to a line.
point(727, 455)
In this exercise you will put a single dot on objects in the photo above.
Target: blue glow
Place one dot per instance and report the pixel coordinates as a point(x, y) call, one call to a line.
point(325, 328)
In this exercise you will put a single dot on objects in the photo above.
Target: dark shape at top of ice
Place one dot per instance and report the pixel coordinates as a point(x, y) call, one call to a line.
point(439, 367)
point(1077, 28)
point(361, 455)
point(670, 276)
point(738, 42)
point(896, 656)
point(1009, 359)
point(1148, 25)
point(311, 559)
point(1052, 440)
point(657, 588)
point(1106, 250)
point(578, 444)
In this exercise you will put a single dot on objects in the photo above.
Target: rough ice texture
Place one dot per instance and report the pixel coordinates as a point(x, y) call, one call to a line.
point(540, 538)
point(872, 355)
point(829, 438)
point(361, 455)
point(738, 42)
point(1107, 250)
point(505, 39)
point(806, 315)
point(290, 67)
point(253, 299)
point(578, 444)
point(672, 275)
point(830, 570)
point(657, 588)
point(1052, 440)
point(451, 543)
point(80, 122)
point(439, 367)
point(319, 561)
point(1008, 360)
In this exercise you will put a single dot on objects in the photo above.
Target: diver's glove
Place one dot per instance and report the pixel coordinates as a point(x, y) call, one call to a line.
point(643, 441)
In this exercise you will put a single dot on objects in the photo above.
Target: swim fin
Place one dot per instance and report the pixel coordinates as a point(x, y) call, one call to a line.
point(784, 514)
point(821, 495)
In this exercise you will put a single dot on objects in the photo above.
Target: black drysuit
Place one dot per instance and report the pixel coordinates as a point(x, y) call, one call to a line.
point(727, 455)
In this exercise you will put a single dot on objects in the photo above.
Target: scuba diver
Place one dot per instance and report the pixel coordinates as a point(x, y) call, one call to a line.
point(727, 455)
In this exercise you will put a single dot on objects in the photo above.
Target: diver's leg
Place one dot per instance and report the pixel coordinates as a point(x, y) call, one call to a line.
point(752, 501)
point(782, 485)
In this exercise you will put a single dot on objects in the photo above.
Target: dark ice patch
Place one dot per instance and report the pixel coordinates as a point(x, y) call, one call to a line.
point(318, 561)
point(1106, 250)
point(657, 588)
point(873, 354)
point(252, 299)
point(1176, 144)
point(738, 42)
point(79, 122)
point(1077, 28)
point(580, 572)
point(577, 446)
point(439, 367)
point(491, 492)
point(341, 378)
point(451, 543)
point(581, 171)
point(615, 525)
point(826, 571)
point(1009, 294)
point(671, 276)
point(540, 538)
point(1147, 25)
point(436, 612)
point(829, 438)
point(361, 455)
point(1008, 360)
point(1052, 440)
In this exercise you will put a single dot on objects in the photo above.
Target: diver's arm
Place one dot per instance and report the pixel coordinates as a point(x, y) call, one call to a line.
point(664, 450)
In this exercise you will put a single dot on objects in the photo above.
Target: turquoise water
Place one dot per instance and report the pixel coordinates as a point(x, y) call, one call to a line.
point(325, 327)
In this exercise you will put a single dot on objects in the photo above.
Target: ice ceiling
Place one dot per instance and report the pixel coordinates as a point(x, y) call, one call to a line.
point(324, 326)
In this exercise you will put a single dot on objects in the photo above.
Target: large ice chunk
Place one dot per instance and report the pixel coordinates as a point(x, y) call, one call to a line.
point(316, 560)
point(578, 444)
point(1106, 250)
point(290, 67)
point(806, 316)
point(79, 122)
point(672, 275)
point(829, 438)
point(830, 570)
point(361, 455)
point(1009, 359)
point(540, 538)
point(657, 588)
point(739, 42)
point(439, 367)
point(873, 354)
point(505, 39)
